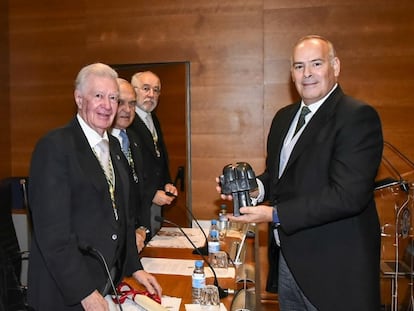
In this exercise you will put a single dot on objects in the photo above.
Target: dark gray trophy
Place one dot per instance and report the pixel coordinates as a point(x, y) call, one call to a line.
point(238, 180)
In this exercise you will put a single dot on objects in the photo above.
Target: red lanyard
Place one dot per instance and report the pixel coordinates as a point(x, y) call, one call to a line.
point(125, 291)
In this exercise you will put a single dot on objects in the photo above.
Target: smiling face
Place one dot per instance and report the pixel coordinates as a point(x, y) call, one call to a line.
point(315, 69)
point(97, 101)
point(126, 106)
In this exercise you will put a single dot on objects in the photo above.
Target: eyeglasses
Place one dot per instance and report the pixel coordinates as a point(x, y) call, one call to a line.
point(146, 89)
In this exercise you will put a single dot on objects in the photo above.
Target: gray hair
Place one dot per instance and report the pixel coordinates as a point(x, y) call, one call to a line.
point(96, 69)
point(136, 76)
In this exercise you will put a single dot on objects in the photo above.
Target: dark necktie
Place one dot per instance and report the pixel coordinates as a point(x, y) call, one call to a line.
point(125, 142)
point(301, 122)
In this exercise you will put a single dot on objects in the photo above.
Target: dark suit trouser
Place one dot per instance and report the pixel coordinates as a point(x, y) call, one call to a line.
point(291, 297)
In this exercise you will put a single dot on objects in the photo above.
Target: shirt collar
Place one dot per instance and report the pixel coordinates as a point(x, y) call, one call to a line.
point(141, 113)
point(115, 132)
point(91, 135)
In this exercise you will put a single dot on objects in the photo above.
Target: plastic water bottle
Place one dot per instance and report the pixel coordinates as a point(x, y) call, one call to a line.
point(198, 280)
point(223, 223)
point(213, 242)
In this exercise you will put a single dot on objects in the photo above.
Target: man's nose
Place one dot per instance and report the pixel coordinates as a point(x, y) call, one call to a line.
point(107, 103)
point(307, 71)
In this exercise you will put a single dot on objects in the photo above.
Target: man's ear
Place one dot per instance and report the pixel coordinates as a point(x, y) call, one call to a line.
point(78, 98)
point(336, 64)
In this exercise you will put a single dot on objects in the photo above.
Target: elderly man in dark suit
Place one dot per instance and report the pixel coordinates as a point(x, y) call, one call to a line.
point(158, 188)
point(132, 149)
point(319, 179)
point(79, 199)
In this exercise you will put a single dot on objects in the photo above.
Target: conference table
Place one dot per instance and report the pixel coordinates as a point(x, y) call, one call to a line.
point(180, 285)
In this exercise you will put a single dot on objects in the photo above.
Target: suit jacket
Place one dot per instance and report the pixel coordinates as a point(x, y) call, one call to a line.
point(330, 235)
point(71, 210)
point(155, 171)
point(139, 213)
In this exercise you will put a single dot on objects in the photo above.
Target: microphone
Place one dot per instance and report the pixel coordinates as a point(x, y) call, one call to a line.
point(222, 292)
point(89, 249)
point(197, 250)
point(202, 249)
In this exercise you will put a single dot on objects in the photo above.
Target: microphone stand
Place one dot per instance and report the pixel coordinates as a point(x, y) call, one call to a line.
point(97, 253)
point(222, 292)
point(202, 249)
point(389, 158)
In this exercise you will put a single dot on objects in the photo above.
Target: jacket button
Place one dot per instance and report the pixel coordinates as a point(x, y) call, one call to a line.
point(114, 237)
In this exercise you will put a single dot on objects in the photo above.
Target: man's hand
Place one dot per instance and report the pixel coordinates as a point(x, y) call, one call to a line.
point(166, 196)
point(149, 281)
point(256, 214)
point(222, 196)
point(95, 302)
point(171, 190)
point(140, 236)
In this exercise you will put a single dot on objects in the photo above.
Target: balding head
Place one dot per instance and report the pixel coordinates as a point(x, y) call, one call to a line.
point(126, 107)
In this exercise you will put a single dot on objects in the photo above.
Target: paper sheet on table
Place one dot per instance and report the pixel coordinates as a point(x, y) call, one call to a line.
point(173, 238)
point(170, 303)
point(195, 307)
point(181, 267)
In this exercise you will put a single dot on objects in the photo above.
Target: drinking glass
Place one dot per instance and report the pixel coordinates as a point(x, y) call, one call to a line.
point(219, 260)
point(210, 300)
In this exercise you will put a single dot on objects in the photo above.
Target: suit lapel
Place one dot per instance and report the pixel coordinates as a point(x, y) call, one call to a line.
point(121, 174)
point(316, 125)
point(144, 134)
point(93, 171)
point(135, 150)
point(86, 158)
point(277, 142)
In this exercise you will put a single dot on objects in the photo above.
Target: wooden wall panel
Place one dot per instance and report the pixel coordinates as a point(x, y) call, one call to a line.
point(46, 51)
point(239, 55)
point(373, 44)
point(5, 144)
point(223, 43)
point(239, 66)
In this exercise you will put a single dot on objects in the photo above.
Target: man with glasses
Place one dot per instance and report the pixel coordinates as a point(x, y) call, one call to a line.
point(79, 201)
point(158, 187)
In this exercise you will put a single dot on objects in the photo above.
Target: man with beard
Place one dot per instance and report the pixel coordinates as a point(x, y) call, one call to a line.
point(158, 187)
point(79, 201)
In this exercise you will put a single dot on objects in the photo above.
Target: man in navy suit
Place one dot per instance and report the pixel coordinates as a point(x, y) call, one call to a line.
point(319, 180)
point(79, 200)
point(158, 187)
point(132, 149)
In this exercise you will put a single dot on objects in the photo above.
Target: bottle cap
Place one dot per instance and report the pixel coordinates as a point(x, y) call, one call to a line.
point(199, 263)
point(214, 221)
